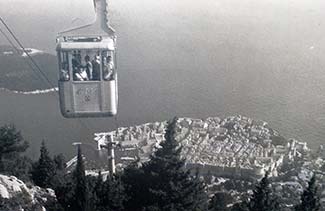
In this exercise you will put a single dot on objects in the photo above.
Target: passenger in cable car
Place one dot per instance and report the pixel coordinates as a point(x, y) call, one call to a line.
point(96, 68)
point(64, 67)
point(64, 72)
point(76, 63)
point(89, 67)
point(108, 67)
point(76, 60)
point(80, 75)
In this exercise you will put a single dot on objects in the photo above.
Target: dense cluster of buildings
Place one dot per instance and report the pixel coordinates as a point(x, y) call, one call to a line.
point(236, 146)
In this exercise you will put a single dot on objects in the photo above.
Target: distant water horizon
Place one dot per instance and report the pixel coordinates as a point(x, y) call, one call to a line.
point(260, 59)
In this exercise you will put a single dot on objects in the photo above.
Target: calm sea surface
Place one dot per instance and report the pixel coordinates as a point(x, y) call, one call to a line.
point(262, 59)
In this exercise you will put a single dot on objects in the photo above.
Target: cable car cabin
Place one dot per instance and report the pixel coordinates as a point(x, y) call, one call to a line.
point(87, 78)
point(87, 69)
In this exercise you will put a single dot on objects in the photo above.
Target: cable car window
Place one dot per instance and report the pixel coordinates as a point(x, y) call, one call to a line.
point(108, 65)
point(86, 65)
point(64, 66)
point(79, 72)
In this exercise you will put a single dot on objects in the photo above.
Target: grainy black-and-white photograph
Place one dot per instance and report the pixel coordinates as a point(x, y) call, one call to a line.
point(162, 105)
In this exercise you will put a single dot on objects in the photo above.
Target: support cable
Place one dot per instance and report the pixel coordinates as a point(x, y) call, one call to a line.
point(39, 70)
point(22, 47)
point(10, 42)
point(18, 51)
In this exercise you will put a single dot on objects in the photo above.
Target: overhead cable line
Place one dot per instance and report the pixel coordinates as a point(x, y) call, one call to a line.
point(10, 42)
point(27, 54)
point(18, 51)
point(39, 70)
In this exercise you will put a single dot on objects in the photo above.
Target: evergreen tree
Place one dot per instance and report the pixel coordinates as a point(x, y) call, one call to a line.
point(52, 204)
point(310, 198)
point(44, 169)
point(19, 166)
point(11, 143)
point(111, 195)
point(80, 202)
point(243, 206)
point(71, 190)
point(96, 187)
point(59, 177)
point(261, 198)
point(164, 183)
point(136, 188)
point(219, 201)
point(64, 192)
point(59, 161)
point(208, 177)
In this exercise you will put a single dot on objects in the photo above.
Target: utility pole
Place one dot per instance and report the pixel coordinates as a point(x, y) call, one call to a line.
point(111, 155)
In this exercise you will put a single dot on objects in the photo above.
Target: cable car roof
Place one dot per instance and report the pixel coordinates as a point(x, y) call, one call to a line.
point(107, 44)
point(89, 31)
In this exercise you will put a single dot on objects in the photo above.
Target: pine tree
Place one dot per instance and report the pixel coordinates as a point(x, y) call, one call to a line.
point(261, 198)
point(96, 193)
point(219, 201)
point(165, 184)
point(111, 196)
point(11, 142)
point(208, 177)
point(243, 206)
point(20, 166)
point(64, 192)
point(59, 177)
point(136, 188)
point(44, 169)
point(80, 202)
point(59, 161)
point(310, 199)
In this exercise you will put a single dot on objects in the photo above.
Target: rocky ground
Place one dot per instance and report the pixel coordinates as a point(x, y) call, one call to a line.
point(16, 195)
